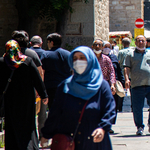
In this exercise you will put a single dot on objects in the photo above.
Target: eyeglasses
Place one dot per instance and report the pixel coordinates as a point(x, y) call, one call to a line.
point(95, 44)
point(140, 40)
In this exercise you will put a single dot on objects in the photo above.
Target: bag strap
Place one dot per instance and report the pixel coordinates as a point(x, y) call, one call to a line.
point(2, 97)
point(79, 121)
point(6, 87)
point(9, 80)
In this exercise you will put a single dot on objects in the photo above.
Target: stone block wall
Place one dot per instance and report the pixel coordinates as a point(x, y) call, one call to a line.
point(123, 14)
point(101, 19)
point(8, 21)
point(87, 22)
point(79, 27)
point(42, 27)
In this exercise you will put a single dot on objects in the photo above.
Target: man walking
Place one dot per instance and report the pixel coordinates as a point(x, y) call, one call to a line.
point(55, 65)
point(121, 56)
point(105, 63)
point(137, 63)
point(36, 45)
point(122, 53)
point(115, 50)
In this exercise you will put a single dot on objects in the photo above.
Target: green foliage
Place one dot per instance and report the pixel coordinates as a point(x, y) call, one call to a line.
point(68, 47)
point(132, 42)
point(50, 9)
point(2, 144)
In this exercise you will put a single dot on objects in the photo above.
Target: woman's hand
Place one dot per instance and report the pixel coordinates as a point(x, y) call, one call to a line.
point(45, 101)
point(98, 135)
point(44, 142)
point(113, 89)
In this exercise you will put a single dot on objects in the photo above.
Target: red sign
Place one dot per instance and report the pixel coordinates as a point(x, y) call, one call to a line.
point(139, 23)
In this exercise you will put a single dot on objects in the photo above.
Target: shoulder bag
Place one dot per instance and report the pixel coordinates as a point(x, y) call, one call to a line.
point(119, 89)
point(65, 142)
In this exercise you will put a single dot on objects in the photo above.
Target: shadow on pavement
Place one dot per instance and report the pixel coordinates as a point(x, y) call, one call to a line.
point(128, 136)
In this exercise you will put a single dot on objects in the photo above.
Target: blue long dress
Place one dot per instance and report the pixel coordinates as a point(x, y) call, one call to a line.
point(65, 113)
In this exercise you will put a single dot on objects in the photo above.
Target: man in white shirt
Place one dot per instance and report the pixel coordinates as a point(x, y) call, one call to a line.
point(116, 48)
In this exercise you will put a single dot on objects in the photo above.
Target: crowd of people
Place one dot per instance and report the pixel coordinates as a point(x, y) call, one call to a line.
point(65, 81)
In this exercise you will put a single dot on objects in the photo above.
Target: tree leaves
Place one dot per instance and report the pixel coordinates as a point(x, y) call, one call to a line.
point(50, 9)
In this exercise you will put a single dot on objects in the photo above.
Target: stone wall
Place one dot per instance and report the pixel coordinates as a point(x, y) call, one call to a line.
point(8, 21)
point(87, 22)
point(42, 27)
point(79, 28)
point(123, 14)
point(101, 21)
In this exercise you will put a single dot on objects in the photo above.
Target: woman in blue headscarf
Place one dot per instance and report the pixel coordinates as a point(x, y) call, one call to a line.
point(85, 85)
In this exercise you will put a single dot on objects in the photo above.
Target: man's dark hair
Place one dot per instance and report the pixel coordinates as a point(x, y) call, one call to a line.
point(56, 38)
point(126, 41)
point(148, 39)
point(98, 40)
point(138, 36)
point(36, 40)
point(21, 37)
point(114, 41)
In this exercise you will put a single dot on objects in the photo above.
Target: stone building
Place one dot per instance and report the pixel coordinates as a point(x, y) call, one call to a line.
point(88, 21)
point(8, 21)
point(123, 14)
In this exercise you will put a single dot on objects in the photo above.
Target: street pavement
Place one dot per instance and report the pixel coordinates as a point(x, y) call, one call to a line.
point(124, 137)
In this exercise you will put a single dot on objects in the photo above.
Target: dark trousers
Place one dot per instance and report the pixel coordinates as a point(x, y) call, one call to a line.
point(51, 95)
point(120, 103)
point(116, 97)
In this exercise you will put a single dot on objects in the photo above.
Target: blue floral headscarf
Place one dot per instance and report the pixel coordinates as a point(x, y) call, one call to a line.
point(87, 84)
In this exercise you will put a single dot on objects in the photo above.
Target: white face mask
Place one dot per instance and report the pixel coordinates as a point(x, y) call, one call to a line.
point(106, 51)
point(140, 49)
point(80, 66)
point(97, 52)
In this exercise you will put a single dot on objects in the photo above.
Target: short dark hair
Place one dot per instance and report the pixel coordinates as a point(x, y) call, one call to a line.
point(126, 41)
point(21, 37)
point(148, 39)
point(138, 36)
point(56, 38)
point(36, 40)
point(114, 41)
point(99, 40)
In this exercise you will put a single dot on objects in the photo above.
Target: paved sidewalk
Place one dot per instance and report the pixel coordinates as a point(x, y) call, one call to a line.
point(124, 137)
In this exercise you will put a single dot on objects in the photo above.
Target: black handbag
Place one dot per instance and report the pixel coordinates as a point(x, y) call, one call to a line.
point(2, 111)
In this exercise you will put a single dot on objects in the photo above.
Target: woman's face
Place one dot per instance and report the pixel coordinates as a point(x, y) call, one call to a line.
point(79, 56)
point(107, 46)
